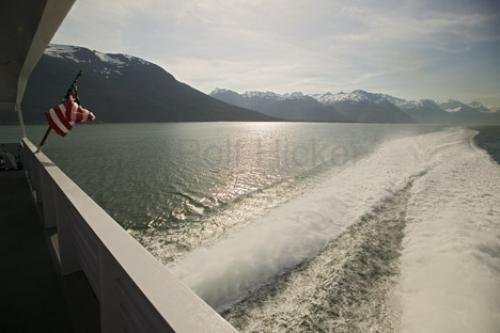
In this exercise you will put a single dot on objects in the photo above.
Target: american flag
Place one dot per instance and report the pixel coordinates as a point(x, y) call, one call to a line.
point(62, 117)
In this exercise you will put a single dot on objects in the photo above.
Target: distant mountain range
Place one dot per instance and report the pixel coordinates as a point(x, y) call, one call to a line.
point(120, 88)
point(123, 88)
point(293, 107)
point(359, 106)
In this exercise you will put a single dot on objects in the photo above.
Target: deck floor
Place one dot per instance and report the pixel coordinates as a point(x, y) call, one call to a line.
point(31, 294)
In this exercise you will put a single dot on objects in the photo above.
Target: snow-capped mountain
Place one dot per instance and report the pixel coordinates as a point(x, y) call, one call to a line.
point(121, 88)
point(363, 106)
point(479, 107)
point(454, 106)
point(360, 106)
point(104, 63)
point(356, 96)
point(470, 113)
point(424, 111)
point(356, 106)
point(294, 107)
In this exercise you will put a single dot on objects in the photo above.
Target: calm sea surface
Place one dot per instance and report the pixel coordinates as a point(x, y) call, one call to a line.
point(488, 138)
point(183, 178)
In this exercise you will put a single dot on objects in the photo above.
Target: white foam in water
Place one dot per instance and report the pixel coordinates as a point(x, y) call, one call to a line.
point(450, 265)
point(298, 230)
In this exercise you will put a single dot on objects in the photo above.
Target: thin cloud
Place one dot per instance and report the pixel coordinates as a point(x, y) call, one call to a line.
point(411, 48)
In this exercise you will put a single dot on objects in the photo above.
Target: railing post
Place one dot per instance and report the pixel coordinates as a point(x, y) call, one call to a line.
point(108, 296)
point(48, 201)
point(65, 230)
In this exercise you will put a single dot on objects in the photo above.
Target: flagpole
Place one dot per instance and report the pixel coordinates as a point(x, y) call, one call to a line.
point(70, 89)
point(47, 132)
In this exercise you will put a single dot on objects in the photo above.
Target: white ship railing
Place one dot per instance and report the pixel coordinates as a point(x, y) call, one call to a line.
point(136, 293)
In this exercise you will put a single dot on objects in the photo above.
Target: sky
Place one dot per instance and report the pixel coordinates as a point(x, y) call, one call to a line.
point(437, 49)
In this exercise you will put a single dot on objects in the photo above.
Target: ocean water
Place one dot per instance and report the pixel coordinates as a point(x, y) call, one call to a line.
point(488, 138)
point(301, 227)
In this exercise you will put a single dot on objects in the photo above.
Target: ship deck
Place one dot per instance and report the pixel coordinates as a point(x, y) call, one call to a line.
point(32, 290)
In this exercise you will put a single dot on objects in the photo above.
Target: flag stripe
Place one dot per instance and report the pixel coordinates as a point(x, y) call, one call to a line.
point(59, 110)
point(55, 123)
point(62, 117)
point(85, 114)
point(74, 108)
point(78, 116)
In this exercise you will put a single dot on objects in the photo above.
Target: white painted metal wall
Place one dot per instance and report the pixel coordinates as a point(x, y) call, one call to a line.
point(136, 293)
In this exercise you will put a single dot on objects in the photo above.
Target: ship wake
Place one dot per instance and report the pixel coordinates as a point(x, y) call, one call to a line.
point(372, 248)
point(346, 288)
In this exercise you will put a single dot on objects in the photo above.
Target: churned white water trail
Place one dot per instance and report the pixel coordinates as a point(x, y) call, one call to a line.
point(450, 263)
point(444, 194)
point(298, 230)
